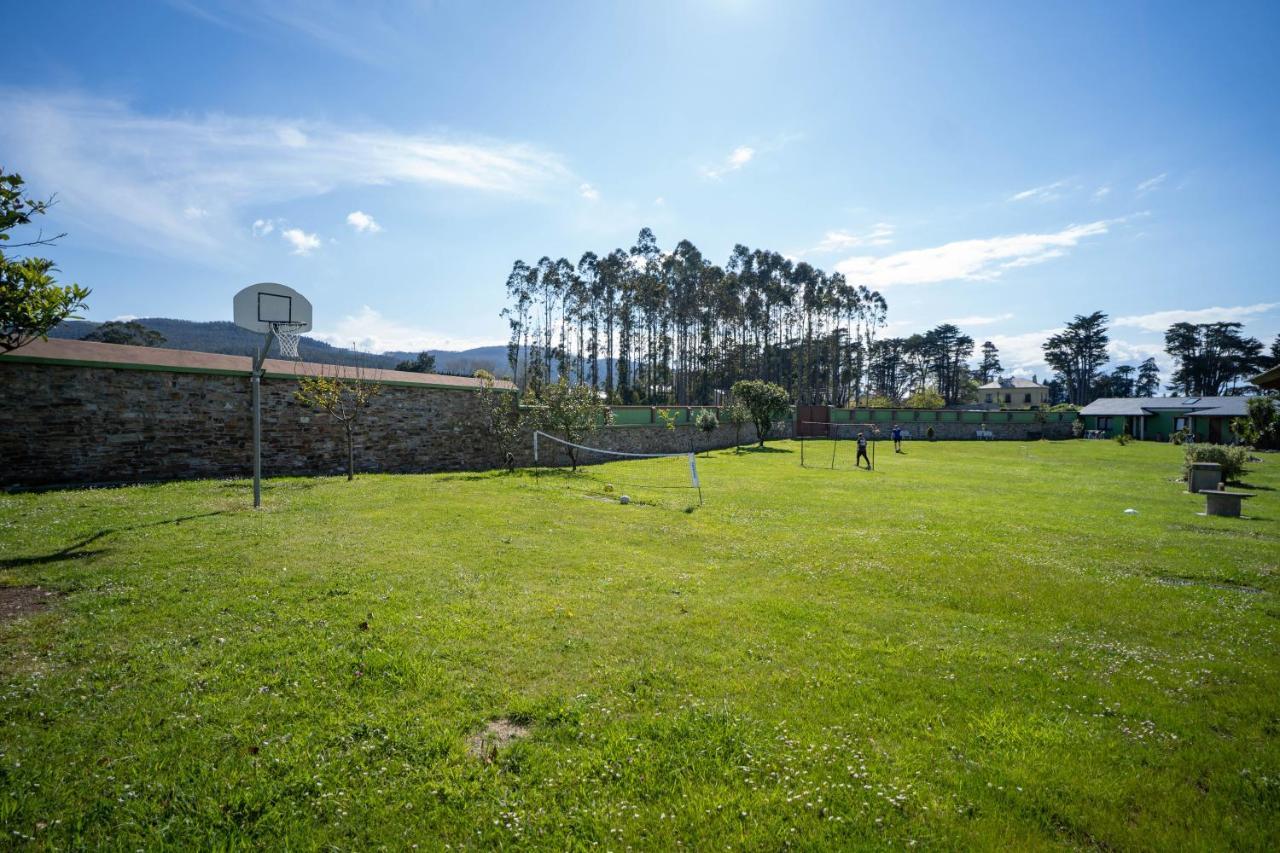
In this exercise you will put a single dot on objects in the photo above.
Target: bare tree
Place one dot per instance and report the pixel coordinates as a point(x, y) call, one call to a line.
point(342, 398)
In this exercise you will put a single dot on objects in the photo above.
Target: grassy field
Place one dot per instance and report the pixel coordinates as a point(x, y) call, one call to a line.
point(973, 646)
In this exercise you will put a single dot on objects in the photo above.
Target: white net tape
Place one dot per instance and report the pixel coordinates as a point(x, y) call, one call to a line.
point(289, 335)
point(694, 482)
point(539, 433)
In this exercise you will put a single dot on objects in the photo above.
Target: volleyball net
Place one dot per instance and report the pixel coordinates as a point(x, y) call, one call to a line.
point(647, 478)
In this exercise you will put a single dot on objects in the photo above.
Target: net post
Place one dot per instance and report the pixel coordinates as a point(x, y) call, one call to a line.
point(693, 471)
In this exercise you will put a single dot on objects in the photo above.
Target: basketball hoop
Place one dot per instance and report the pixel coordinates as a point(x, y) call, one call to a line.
point(289, 335)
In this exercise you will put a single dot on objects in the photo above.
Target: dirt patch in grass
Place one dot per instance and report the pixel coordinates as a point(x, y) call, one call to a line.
point(19, 601)
point(496, 734)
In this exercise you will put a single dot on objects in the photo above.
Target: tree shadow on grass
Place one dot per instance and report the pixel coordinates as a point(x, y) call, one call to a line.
point(765, 449)
point(1254, 488)
point(80, 550)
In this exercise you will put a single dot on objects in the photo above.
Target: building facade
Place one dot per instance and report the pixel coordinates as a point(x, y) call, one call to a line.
point(1013, 393)
point(1157, 418)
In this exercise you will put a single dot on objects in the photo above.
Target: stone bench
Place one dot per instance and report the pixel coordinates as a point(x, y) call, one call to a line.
point(1222, 502)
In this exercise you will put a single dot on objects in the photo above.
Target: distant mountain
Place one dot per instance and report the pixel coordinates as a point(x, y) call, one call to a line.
point(225, 337)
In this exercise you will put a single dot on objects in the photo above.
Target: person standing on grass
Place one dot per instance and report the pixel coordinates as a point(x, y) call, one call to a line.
point(897, 439)
point(862, 452)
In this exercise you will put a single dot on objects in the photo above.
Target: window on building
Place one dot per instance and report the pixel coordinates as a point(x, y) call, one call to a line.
point(1026, 398)
point(1179, 423)
point(1008, 398)
point(1104, 424)
point(989, 398)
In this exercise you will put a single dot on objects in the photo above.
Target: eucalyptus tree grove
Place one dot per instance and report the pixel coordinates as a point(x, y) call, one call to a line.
point(641, 325)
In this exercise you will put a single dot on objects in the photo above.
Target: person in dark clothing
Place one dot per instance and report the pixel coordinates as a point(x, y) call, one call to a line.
point(862, 452)
point(897, 439)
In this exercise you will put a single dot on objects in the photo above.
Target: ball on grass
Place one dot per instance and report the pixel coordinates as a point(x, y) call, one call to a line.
point(623, 499)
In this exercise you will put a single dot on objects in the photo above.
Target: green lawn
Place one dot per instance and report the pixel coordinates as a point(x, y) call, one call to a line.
point(971, 647)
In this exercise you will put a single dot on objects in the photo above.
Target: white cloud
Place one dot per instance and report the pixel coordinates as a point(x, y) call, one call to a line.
point(302, 242)
point(263, 227)
point(369, 331)
point(979, 320)
point(130, 177)
point(193, 212)
point(737, 158)
point(1101, 192)
point(291, 137)
point(377, 34)
point(1023, 354)
point(880, 234)
point(1048, 192)
point(971, 260)
point(363, 222)
point(1152, 183)
point(1159, 321)
point(588, 192)
point(659, 201)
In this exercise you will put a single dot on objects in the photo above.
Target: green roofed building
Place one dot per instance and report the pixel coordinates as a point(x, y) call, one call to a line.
point(1157, 418)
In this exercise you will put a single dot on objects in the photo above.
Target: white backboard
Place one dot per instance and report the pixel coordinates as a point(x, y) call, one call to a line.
point(259, 305)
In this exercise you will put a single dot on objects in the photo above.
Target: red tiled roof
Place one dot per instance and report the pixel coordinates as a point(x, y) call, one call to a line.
point(123, 357)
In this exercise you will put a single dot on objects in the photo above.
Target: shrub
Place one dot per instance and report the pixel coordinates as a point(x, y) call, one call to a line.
point(1123, 438)
point(1077, 428)
point(1261, 427)
point(1232, 459)
point(707, 421)
point(925, 398)
point(1178, 437)
point(929, 434)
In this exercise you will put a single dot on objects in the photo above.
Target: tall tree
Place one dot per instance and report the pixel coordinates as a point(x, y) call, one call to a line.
point(1077, 353)
point(671, 327)
point(1210, 358)
point(989, 369)
point(1148, 384)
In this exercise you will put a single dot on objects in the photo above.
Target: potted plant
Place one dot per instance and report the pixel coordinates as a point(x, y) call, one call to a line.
point(929, 434)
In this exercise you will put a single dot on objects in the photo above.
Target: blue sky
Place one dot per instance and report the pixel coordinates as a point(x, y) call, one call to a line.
point(1003, 166)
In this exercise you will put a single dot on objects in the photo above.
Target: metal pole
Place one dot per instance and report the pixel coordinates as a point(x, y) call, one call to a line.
point(256, 382)
point(257, 439)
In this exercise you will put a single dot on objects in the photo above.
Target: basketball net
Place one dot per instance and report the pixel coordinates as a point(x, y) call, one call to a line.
point(288, 335)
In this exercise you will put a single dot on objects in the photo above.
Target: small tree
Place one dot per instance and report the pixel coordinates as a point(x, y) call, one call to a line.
point(343, 399)
point(131, 332)
point(498, 418)
point(31, 302)
point(573, 411)
point(706, 422)
point(739, 415)
point(765, 401)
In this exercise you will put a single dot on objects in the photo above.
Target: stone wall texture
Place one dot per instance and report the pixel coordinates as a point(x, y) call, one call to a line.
point(68, 425)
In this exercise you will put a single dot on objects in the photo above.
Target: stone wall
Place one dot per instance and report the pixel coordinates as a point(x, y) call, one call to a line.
point(67, 424)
